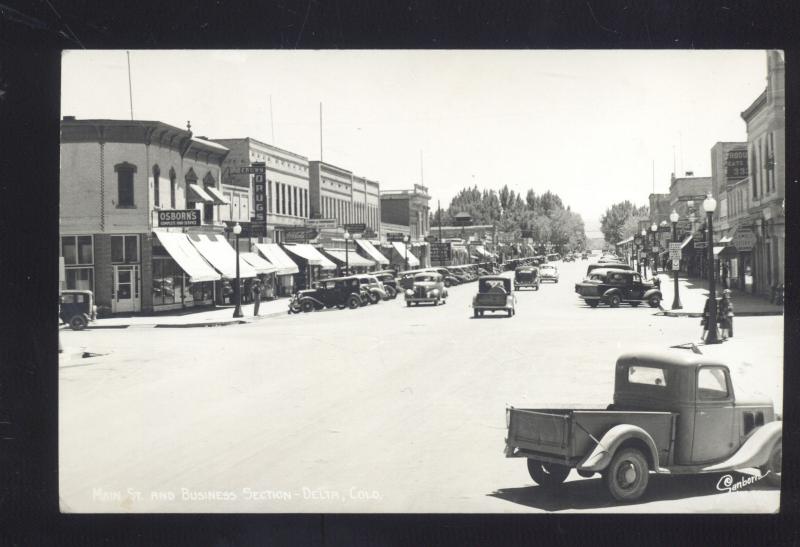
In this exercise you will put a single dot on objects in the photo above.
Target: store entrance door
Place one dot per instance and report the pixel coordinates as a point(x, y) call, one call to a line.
point(126, 289)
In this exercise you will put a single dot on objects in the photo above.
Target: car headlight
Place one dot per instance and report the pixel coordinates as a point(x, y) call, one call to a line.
point(434, 292)
point(409, 292)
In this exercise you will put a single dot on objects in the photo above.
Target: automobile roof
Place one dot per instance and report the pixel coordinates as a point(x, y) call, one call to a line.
point(673, 357)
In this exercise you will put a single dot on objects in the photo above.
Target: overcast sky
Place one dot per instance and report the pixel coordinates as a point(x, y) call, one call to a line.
point(587, 125)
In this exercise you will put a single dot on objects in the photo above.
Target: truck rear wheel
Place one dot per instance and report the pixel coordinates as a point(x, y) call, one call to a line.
point(77, 323)
point(654, 301)
point(614, 301)
point(547, 475)
point(353, 302)
point(771, 471)
point(627, 475)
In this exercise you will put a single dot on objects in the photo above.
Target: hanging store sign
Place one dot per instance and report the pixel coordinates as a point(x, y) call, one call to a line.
point(320, 223)
point(257, 168)
point(358, 228)
point(676, 264)
point(441, 252)
point(675, 251)
point(744, 240)
point(259, 221)
point(395, 236)
point(179, 218)
point(298, 235)
point(701, 244)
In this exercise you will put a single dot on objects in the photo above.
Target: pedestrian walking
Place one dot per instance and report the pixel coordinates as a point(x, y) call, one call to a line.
point(706, 319)
point(726, 315)
point(725, 275)
point(256, 297)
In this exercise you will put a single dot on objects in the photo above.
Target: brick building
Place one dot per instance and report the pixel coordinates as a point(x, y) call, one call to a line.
point(408, 208)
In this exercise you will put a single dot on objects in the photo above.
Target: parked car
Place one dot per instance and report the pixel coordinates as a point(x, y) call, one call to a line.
point(548, 272)
point(76, 308)
point(673, 413)
point(461, 275)
point(584, 256)
point(449, 278)
point(613, 287)
point(568, 258)
point(428, 289)
point(494, 294)
point(526, 276)
point(405, 280)
point(338, 292)
point(375, 288)
point(389, 283)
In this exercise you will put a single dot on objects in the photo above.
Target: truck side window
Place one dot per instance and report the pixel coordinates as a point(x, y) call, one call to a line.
point(652, 376)
point(711, 384)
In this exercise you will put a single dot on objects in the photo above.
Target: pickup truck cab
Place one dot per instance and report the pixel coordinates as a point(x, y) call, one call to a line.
point(494, 294)
point(673, 413)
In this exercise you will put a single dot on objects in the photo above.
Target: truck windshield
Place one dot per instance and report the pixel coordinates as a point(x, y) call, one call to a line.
point(652, 376)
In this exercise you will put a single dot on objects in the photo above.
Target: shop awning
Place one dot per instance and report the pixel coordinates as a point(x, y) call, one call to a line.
point(307, 252)
point(686, 241)
point(260, 265)
point(354, 259)
point(219, 197)
point(278, 258)
point(372, 252)
point(187, 257)
point(727, 252)
point(625, 241)
point(401, 248)
point(221, 255)
point(198, 195)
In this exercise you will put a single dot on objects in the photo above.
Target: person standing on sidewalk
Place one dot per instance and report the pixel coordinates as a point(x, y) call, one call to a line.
point(726, 315)
point(256, 297)
point(725, 275)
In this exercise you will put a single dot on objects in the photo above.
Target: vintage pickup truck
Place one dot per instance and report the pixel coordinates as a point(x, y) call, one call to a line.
point(673, 413)
point(494, 294)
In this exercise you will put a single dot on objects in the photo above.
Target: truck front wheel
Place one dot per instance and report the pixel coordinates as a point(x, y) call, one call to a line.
point(627, 475)
point(547, 475)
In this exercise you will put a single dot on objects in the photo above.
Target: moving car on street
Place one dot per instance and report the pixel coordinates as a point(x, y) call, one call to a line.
point(76, 308)
point(526, 276)
point(613, 287)
point(338, 292)
point(548, 272)
point(494, 294)
point(428, 289)
point(672, 413)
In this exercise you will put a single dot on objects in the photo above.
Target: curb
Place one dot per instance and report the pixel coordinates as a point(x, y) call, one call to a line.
point(188, 325)
point(738, 314)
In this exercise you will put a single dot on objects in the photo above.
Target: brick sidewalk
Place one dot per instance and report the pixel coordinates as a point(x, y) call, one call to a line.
point(694, 292)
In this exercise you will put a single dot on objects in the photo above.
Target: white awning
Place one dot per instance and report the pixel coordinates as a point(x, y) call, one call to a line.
point(624, 241)
point(718, 249)
point(259, 264)
point(219, 197)
point(187, 257)
point(308, 253)
point(198, 195)
point(278, 258)
point(353, 258)
point(221, 255)
point(401, 248)
point(686, 241)
point(372, 252)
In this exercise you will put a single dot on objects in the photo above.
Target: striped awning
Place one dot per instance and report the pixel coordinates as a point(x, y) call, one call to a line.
point(278, 258)
point(198, 195)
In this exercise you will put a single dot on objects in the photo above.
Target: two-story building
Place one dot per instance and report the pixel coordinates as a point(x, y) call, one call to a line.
point(123, 184)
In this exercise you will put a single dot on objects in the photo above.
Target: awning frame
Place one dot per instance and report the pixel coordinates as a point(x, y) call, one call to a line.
point(200, 193)
point(276, 256)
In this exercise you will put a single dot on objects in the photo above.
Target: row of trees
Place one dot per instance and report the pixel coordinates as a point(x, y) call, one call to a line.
point(545, 215)
point(621, 221)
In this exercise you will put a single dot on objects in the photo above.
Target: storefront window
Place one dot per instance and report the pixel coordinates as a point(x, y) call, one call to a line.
point(77, 250)
point(124, 249)
point(80, 278)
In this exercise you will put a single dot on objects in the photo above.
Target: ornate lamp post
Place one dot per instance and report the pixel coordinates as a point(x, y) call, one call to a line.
point(644, 252)
point(237, 291)
point(346, 253)
point(654, 230)
point(709, 206)
point(636, 241)
point(408, 242)
point(676, 300)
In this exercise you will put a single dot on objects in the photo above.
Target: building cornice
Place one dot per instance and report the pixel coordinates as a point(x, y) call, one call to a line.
point(753, 109)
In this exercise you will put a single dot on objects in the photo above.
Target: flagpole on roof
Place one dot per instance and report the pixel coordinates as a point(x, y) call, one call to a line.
point(130, 85)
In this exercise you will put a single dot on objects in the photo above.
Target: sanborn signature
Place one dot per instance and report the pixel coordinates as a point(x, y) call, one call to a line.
point(726, 484)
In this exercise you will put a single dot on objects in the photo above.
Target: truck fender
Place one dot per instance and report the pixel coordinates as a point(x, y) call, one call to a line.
point(599, 458)
point(755, 450)
point(310, 298)
point(651, 292)
point(609, 292)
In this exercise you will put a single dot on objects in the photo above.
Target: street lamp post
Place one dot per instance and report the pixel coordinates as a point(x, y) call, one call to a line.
point(346, 253)
point(408, 242)
point(237, 291)
point(644, 252)
point(676, 300)
point(709, 206)
point(654, 230)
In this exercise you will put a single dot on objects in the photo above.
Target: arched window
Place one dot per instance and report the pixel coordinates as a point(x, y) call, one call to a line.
point(208, 180)
point(156, 177)
point(191, 177)
point(172, 187)
point(125, 172)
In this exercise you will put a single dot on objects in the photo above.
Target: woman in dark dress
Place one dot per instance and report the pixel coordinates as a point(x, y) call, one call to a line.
point(726, 315)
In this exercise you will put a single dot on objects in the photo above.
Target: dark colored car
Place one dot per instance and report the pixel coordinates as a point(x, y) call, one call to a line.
point(615, 266)
point(614, 287)
point(77, 309)
point(336, 292)
point(494, 294)
point(449, 278)
point(389, 283)
point(526, 276)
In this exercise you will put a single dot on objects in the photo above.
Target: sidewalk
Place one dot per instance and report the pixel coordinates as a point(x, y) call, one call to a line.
point(693, 294)
point(208, 317)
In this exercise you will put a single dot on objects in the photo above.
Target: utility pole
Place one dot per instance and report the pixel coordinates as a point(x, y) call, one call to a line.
point(130, 85)
point(320, 131)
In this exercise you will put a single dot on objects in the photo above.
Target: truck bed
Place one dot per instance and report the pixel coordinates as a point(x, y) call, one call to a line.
point(566, 434)
point(491, 300)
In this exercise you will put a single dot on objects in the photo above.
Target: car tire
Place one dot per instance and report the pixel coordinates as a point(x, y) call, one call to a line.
point(436, 302)
point(475, 314)
point(547, 475)
point(391, 293)
point(374, 298)
point(447, 283)
point(77, 323)
point(408, 304)
point(771, 471)
point(307, 306)
point(627, 475)
point(654, 301)
point(353, 302)
point(592, 303)
point(614, 300)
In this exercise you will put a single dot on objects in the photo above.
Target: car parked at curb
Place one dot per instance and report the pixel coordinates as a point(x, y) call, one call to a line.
point(335, 292)
point(447, 276)
point(76, 308)
point(428, 288)
point(613, 287)
point(672, 413)
point(494, 294)
point(375, 288)
point(389, 283)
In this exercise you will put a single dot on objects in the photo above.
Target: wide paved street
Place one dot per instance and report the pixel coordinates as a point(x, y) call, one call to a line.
point(381, 409)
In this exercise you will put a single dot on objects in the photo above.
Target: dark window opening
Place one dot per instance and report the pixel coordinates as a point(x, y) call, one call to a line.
point(124, 249)
point(759, 419)
point(172, 185)
point(125, 172)
point(208, 212)
point(156, 185)
point(749, 422)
